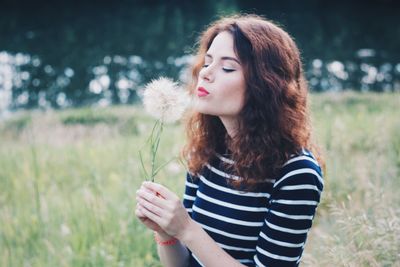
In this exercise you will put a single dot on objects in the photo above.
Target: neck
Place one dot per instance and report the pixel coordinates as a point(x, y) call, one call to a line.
point(230, 124)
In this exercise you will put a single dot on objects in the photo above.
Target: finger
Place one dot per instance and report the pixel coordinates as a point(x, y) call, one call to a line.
point(160, 189)
point(149, 196)
point(145, 189)
point(150, 215)
point(139, 213)
point(150, 206)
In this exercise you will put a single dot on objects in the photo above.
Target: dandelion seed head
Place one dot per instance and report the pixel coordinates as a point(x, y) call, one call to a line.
point(164, 99)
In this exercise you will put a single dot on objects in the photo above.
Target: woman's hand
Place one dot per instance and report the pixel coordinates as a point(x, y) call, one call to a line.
point(162, 208)
point(146, 221)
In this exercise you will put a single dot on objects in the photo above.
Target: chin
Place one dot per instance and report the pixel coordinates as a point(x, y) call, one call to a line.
point(198, 107)
point(204, 112)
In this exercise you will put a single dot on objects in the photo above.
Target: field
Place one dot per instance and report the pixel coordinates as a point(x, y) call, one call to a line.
point(68, 181)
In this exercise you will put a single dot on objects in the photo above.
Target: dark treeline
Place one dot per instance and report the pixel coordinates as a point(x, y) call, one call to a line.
point(79, 52)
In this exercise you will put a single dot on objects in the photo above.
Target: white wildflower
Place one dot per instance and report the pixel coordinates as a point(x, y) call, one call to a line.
point(68, 250)
point(164, 99)
point(65, 230)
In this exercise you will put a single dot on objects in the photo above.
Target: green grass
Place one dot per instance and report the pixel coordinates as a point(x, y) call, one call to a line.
point(88, 116)
point(68, 181)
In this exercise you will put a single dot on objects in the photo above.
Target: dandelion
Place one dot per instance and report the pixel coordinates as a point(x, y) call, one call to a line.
point(166, 101)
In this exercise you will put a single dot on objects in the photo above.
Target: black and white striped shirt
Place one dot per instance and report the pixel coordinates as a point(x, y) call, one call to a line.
point(264, 228)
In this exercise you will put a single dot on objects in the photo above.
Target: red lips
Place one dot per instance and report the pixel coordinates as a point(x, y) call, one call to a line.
point(201, 91)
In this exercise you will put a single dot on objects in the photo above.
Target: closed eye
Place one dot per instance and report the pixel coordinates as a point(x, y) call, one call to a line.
point(224, 69)
point(228, 70)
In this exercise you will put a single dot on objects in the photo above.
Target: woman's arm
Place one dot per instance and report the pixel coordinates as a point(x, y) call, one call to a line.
point(292, 207)
point(175, 255)
point(205, 248)
point(166, 210)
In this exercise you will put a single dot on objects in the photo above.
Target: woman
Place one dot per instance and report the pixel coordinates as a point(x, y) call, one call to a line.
point(253, 184)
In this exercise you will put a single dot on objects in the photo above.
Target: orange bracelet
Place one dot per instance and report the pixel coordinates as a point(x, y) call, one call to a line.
point(169, 242)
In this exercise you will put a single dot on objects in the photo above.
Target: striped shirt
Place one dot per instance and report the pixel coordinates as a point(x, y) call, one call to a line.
point(267, 227)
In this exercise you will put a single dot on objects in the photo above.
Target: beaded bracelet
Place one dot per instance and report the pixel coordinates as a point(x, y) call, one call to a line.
point(168, 242)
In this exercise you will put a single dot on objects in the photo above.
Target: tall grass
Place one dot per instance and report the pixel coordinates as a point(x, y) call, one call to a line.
point(68, 181)
point(359, 218)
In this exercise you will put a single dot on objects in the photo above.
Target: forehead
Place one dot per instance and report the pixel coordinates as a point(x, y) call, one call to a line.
point(222, 45)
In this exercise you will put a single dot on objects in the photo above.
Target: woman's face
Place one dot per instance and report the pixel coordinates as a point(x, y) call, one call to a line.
point(221, 83)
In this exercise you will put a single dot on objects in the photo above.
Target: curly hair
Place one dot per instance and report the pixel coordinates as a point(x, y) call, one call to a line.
point(274, 122)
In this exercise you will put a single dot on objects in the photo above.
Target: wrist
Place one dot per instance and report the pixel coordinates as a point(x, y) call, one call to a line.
point(189, 232)
point(163, 239)
point(163, 236)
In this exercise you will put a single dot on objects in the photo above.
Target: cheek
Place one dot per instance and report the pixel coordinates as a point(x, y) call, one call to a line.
point(239, 99)
point(234, 97)
point(239, 90)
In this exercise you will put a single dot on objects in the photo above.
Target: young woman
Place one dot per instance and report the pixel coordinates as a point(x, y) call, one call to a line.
point(254, 183)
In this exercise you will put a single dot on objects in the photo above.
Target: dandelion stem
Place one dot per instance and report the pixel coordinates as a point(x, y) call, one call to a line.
point(155, 142)
point(143, 167)
point(162, 165)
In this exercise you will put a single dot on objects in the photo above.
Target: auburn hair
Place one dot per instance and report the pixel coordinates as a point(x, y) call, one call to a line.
point(274, 122)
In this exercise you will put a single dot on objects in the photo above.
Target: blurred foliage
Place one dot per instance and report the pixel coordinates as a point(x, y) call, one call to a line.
point(60, 36)
point(16, 124)
point(88, 116)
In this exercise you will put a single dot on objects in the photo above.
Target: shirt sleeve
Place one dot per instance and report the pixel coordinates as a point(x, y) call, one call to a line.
point(291, 209)
point(191, 186)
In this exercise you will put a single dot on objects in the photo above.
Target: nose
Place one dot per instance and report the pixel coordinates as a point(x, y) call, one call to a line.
point(206, 73)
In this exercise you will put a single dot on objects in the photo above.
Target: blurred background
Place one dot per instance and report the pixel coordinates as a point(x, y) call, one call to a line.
point(55, 54)
point(71, 123)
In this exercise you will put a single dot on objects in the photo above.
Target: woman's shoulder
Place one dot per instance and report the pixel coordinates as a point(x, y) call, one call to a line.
point(301, 168)
point(304, 158)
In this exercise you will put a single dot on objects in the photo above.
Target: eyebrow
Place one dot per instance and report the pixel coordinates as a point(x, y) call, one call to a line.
point(225, 58)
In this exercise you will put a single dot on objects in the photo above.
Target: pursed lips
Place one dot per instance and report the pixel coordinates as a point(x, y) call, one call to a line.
point(201, 91)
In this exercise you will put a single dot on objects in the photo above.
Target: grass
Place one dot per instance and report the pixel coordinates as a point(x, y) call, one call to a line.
point(68, 181)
